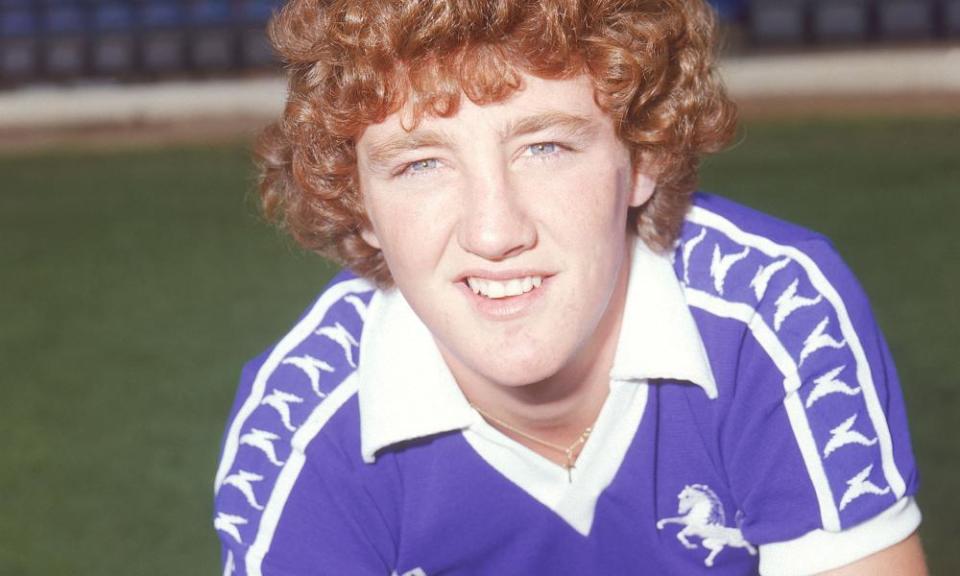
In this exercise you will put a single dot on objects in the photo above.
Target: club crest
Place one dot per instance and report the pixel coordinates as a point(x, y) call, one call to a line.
point(701, 515)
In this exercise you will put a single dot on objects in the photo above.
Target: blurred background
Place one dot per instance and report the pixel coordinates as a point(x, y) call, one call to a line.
point(136, 275)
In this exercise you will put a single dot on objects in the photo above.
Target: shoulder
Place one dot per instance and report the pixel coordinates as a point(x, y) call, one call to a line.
point(724, 214)
point(766, 290)
point(299, 390)
point(785, 283)
point(728, 249)
point(810, 416)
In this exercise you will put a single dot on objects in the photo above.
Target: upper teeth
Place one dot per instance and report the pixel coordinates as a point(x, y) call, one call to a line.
point(498, 289)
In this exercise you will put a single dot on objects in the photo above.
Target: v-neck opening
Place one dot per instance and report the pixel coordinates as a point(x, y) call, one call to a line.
point(597, 465)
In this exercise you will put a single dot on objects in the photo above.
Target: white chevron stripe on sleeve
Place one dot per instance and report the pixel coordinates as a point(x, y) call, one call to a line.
point(822, 285)
point(789, 302)
point(688, 248)
point(767, 338)
point(298, 334)
point(860, 485)
point(291, 471)
point(763, 276)
point(830, 383)
point(845, 435)
point(721, 264)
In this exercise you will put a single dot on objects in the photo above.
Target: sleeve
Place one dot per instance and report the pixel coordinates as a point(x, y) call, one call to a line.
point(292, 497)
point(290, 500)
point(318, 520)
point(816, 445)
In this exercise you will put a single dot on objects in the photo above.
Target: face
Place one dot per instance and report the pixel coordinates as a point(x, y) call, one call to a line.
point(504, 227)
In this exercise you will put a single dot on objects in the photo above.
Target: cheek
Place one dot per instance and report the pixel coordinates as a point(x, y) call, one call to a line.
point(412, 235)
point(592, 210)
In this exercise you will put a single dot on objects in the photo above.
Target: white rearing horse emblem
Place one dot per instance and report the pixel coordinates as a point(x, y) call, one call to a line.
point(702, 517)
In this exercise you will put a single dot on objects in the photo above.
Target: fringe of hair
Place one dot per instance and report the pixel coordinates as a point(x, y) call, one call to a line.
point(354, 62)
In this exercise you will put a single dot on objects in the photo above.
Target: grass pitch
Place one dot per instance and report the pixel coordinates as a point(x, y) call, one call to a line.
point(136, 283)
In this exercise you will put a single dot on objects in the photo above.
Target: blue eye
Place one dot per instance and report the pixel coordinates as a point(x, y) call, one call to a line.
point(542, 148)
point(422, 165)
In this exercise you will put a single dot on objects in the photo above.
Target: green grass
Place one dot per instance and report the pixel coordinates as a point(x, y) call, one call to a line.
point(134, 284)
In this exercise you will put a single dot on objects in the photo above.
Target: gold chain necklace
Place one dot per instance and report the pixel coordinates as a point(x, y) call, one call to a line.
point(570, 452)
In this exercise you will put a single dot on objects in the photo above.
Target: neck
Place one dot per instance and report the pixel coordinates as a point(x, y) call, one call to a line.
point(558, 409)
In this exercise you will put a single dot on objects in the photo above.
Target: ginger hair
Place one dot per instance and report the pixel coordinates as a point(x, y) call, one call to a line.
point(352, 63)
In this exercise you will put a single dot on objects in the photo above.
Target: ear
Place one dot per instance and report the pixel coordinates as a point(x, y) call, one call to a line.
point(370, 237)
point(644, 185)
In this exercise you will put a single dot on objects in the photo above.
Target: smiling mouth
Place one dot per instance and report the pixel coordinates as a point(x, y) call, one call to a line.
point(496, 289)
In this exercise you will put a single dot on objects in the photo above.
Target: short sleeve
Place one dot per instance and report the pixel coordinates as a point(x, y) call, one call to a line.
point(292, 496)
point(319, 520)
point(816, 445)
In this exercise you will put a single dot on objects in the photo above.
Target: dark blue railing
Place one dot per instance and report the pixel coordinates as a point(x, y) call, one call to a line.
point(61, 40)
point(730, 10)
point(73, 39)
point(833, 22)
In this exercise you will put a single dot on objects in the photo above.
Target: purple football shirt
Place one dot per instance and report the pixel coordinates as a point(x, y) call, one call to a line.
point(754, 425)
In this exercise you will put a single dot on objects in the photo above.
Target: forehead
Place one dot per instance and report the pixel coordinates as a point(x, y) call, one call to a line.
point(571, 98)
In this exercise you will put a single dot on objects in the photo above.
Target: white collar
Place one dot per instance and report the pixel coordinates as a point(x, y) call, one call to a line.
point(406, 390)
point(659, 337)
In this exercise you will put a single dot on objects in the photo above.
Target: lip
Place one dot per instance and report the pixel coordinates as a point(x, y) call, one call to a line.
point(504, 308)
point(501, 275)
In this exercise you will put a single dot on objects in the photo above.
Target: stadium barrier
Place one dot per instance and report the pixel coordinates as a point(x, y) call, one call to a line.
point(72, 40)
point(68, 41)
point(850, 22)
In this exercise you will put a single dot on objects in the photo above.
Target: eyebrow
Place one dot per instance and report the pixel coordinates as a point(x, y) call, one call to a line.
point(382, 152)
point(572, 125)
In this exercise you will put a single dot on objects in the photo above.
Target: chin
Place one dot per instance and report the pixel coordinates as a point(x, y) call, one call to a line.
point(513, 380)
point(516, 372)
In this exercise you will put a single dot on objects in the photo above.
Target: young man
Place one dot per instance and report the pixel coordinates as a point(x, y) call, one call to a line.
point(550, 357)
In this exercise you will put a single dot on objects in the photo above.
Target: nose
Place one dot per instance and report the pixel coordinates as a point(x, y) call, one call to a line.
point(496, 224)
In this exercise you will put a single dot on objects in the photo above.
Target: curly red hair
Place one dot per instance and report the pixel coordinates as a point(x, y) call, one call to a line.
point(354, 62)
